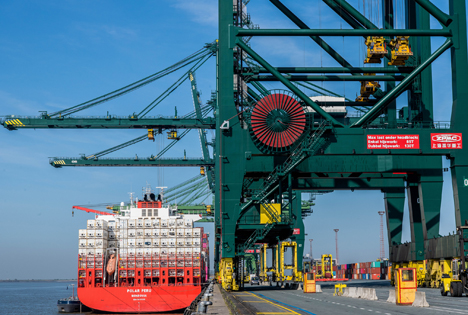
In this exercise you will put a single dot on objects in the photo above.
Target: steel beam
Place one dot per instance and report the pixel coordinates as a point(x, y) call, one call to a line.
point(356, 14)
point(329, 78)
point(416, 222)
point(334, 54)
point(394, 209)
point(384, 101)
point(389, 69)
point(442, 17)
point(336, 32)
point(123, 162)
point(288, 84)
point(18, 122)
point(343, 14)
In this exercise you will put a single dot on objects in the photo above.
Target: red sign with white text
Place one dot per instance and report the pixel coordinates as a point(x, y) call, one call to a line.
point(296, 231)
point(392, 142)
point(446, 141)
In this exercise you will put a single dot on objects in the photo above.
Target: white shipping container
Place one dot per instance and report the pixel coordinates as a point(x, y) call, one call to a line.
point(111, 226)
point(123, 253)
point(140, 242)
point(112, 244)
point(164, 232)
point(155, 232)
point(112, 235)
point(131, 233)
point(196, 252)
point(140, 233)
point(148, 224)
point(172, 242)
point(196, 232)
point(180, 252)
point(188, 241)
point(180, 242)
point(101, 234)
point(164, 241)
point(172, 223)
point(172, 232)
point(131, 242)
point(163, 252)
point(148, 232)
point(90, 243)
point(91, 224)
point(82, 252)
point(188, 252)
point(148, 252)
point(196, 241)
point(131, 252)
point(156, 223)
point(188, 232)
point(156, 242)
point(123, 243)
point(100, 243)
point(90, 233)
point(131, 223)
point(172, 252)
point(123, 224)
point(99, 252)
point(148, 242)
point(188, 223)
point(164, 223)
point(180, 223)
point(82, 233)
point(180, 232)
point(101, 224)
point(156, 252)
point(90, 251)
point(139, 252)
point(140, 223)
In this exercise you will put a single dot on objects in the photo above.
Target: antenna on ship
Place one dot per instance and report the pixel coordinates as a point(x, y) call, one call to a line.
point(161, 192)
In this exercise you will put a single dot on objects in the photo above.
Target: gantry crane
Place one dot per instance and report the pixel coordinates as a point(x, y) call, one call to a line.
point(273, 144)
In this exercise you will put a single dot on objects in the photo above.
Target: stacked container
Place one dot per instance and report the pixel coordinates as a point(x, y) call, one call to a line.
point(149, 252)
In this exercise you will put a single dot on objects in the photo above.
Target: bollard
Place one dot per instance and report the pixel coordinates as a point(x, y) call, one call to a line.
point(346, 292)
point(318, 288)
point(202, 306)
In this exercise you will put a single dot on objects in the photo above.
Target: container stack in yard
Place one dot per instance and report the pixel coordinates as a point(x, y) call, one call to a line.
point(375, 270)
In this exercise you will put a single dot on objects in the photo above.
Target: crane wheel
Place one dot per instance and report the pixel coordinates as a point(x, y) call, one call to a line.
point(442, 290)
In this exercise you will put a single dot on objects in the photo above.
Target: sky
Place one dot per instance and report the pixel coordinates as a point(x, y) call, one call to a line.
point(56, 54)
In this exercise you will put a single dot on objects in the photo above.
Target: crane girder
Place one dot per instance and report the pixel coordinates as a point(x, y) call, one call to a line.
point(148, 161)
point(14, 123)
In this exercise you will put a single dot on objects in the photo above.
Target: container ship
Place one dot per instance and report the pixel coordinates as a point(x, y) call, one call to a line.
point(143, 257)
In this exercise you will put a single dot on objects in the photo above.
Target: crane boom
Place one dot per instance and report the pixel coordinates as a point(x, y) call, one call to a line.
point(91, 210)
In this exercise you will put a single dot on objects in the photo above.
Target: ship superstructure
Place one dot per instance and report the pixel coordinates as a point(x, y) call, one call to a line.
point(142, 258)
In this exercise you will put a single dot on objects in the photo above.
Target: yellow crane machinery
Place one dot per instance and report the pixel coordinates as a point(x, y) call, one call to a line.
point(401, 50)
point(264, 270)
point(295, 276)
point(436, 271)
point(208, 209)
point(172, 135)
point(150, 134)
point(368, 88)
point(326, 267)
point(376, 49)
point(227, 276)
point(202, 170)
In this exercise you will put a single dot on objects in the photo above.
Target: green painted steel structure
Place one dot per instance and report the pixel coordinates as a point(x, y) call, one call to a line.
point(332, 152)
point(247, 176)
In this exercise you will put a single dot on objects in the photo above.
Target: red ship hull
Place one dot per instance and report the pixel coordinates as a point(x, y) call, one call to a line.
point(143, 299)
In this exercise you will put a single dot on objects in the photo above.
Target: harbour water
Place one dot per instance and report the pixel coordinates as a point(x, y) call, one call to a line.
point(35, 298)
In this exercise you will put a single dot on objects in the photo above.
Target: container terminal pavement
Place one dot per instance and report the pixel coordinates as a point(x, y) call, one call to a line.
point(265, 299)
